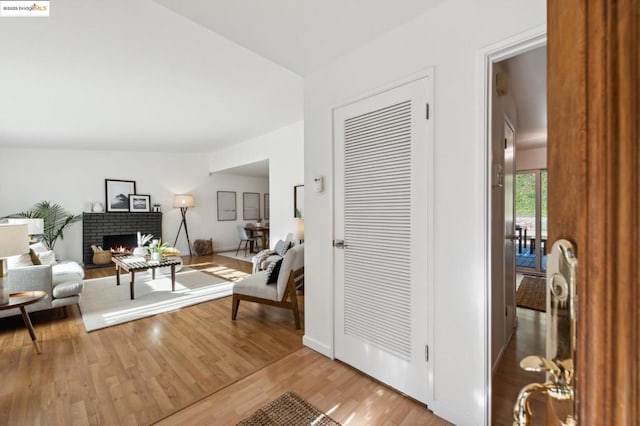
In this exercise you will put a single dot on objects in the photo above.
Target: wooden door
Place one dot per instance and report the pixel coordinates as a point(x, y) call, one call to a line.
point(509, 265)
point(594, 187)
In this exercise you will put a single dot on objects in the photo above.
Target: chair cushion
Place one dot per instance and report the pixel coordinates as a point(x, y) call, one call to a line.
point(19, 261)
point(67, 289)
point(253, 285)
point(273, 270)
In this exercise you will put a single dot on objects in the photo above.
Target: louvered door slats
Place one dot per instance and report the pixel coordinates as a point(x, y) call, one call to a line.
point(377, 222)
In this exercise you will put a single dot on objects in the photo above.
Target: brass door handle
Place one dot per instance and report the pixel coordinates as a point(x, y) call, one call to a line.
point(561, 332)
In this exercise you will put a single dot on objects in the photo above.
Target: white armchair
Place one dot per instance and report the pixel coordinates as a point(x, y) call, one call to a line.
point(254, 288)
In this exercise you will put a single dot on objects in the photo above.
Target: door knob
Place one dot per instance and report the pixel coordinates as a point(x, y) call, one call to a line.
point(561, 332)
point(339, 244)
point(512, 237)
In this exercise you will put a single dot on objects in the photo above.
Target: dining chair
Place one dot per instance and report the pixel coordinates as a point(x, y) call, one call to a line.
point(244, 238)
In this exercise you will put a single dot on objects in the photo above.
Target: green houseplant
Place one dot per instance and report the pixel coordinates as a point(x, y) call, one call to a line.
point(56, 220)
point(157, 249)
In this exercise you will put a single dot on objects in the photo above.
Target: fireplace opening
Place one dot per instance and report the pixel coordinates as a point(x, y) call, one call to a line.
point(120, 243)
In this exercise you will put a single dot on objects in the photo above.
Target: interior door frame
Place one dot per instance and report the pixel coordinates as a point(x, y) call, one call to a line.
point(505, 49)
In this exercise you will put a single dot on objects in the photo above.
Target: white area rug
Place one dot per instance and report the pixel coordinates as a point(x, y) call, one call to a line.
point(103, 303)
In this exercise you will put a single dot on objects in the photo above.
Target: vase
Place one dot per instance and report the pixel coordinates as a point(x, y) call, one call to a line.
point(156, 256)
point(140, 251)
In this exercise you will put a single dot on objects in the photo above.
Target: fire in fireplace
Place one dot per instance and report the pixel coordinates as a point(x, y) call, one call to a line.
point(119, 243)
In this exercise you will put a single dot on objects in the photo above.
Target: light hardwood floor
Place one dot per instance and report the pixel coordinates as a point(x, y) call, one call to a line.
point(196, 366)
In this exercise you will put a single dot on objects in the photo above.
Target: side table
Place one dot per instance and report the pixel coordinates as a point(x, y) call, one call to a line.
point(20, 300)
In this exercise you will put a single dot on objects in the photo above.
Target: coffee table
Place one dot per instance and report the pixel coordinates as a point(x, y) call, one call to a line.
point(20, 300)
point(133, 264)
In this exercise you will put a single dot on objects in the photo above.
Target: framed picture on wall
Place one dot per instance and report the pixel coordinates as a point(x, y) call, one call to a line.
point(250, 205)
point(227, 206)
point(298, 201)
point(266, 206)
point(117, 194)
point(139, 203)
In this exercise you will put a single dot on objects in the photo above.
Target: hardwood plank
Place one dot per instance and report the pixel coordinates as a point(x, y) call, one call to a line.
point(141, 371)
point(333, 387)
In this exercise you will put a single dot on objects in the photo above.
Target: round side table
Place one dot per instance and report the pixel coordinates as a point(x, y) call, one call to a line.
point(20, 300)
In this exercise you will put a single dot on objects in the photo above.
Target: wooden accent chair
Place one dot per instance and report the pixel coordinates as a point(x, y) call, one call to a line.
point(255, 289)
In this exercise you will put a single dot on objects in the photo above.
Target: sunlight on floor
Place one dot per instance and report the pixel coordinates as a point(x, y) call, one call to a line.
point(226, 273)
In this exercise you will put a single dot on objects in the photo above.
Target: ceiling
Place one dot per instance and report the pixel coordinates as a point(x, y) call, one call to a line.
point(257, 169)
point(528, 84)
point(171, 75)
point(300, 35)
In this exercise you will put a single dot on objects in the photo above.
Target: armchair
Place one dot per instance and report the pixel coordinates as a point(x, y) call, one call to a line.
point(255, 289)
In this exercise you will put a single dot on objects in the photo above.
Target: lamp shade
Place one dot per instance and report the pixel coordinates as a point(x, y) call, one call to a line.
point(14, 240)
point(183, 200)
point(298, 233)
point(34, 226)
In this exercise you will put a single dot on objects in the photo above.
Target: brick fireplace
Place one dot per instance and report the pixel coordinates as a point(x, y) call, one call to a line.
point(95, 226)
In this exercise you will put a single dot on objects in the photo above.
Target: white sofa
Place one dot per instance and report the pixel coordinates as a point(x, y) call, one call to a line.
point(63, 283)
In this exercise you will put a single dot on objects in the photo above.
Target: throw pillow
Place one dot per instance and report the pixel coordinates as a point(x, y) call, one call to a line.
point(282, 247)
point(273, 270)
point(47, 257)
point(34, 257)
point(39, 248)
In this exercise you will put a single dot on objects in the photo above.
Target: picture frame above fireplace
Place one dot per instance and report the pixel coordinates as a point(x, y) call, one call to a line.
point(117, 194)
point(139, 203)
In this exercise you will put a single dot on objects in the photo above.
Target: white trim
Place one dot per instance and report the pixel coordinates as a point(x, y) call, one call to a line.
point(504, 49)
point(318, 346)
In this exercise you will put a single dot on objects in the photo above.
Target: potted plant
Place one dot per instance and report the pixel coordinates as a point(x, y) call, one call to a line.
point(143, 239)
point(56, 219)
point(157, 249)
point(259, 221)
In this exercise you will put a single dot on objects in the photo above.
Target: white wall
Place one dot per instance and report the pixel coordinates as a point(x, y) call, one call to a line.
point(225, 233)
point(73, 178)
point(284, 148)
point(531, 159)
point(449, 38)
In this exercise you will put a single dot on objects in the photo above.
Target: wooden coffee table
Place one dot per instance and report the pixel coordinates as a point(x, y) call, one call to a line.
point(20, 300)
point(126, 264)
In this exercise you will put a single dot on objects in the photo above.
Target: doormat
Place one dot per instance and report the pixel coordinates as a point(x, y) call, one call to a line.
point(532, 294)
point(288, 409)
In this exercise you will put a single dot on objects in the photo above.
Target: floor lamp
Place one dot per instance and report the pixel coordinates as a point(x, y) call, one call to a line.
point(183, 202)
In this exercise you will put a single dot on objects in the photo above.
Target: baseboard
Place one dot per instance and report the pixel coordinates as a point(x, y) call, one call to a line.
point(321, 348)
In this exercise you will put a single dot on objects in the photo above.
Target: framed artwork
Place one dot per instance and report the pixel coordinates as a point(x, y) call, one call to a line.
point(298, 201)
point(266, 207)
point(139, 203)
point(250, 205)
point(117, 194)
point(227, 205)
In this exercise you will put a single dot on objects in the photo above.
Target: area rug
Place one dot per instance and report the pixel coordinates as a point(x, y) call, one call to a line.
point(288, 409)
point(239, 256)
point(532, 294)
point(103, 303)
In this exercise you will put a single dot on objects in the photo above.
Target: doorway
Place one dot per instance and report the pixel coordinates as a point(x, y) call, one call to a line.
point(518, 220)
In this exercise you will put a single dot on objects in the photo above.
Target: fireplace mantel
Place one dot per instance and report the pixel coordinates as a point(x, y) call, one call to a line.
point(96, 225)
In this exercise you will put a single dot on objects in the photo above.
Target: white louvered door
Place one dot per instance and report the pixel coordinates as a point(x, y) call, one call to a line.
point(383, 191)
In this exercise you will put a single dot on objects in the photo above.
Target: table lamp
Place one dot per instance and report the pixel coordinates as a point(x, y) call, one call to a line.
point(34, 226)
point(298, 233)
point(14, 241)
point(183, 201)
